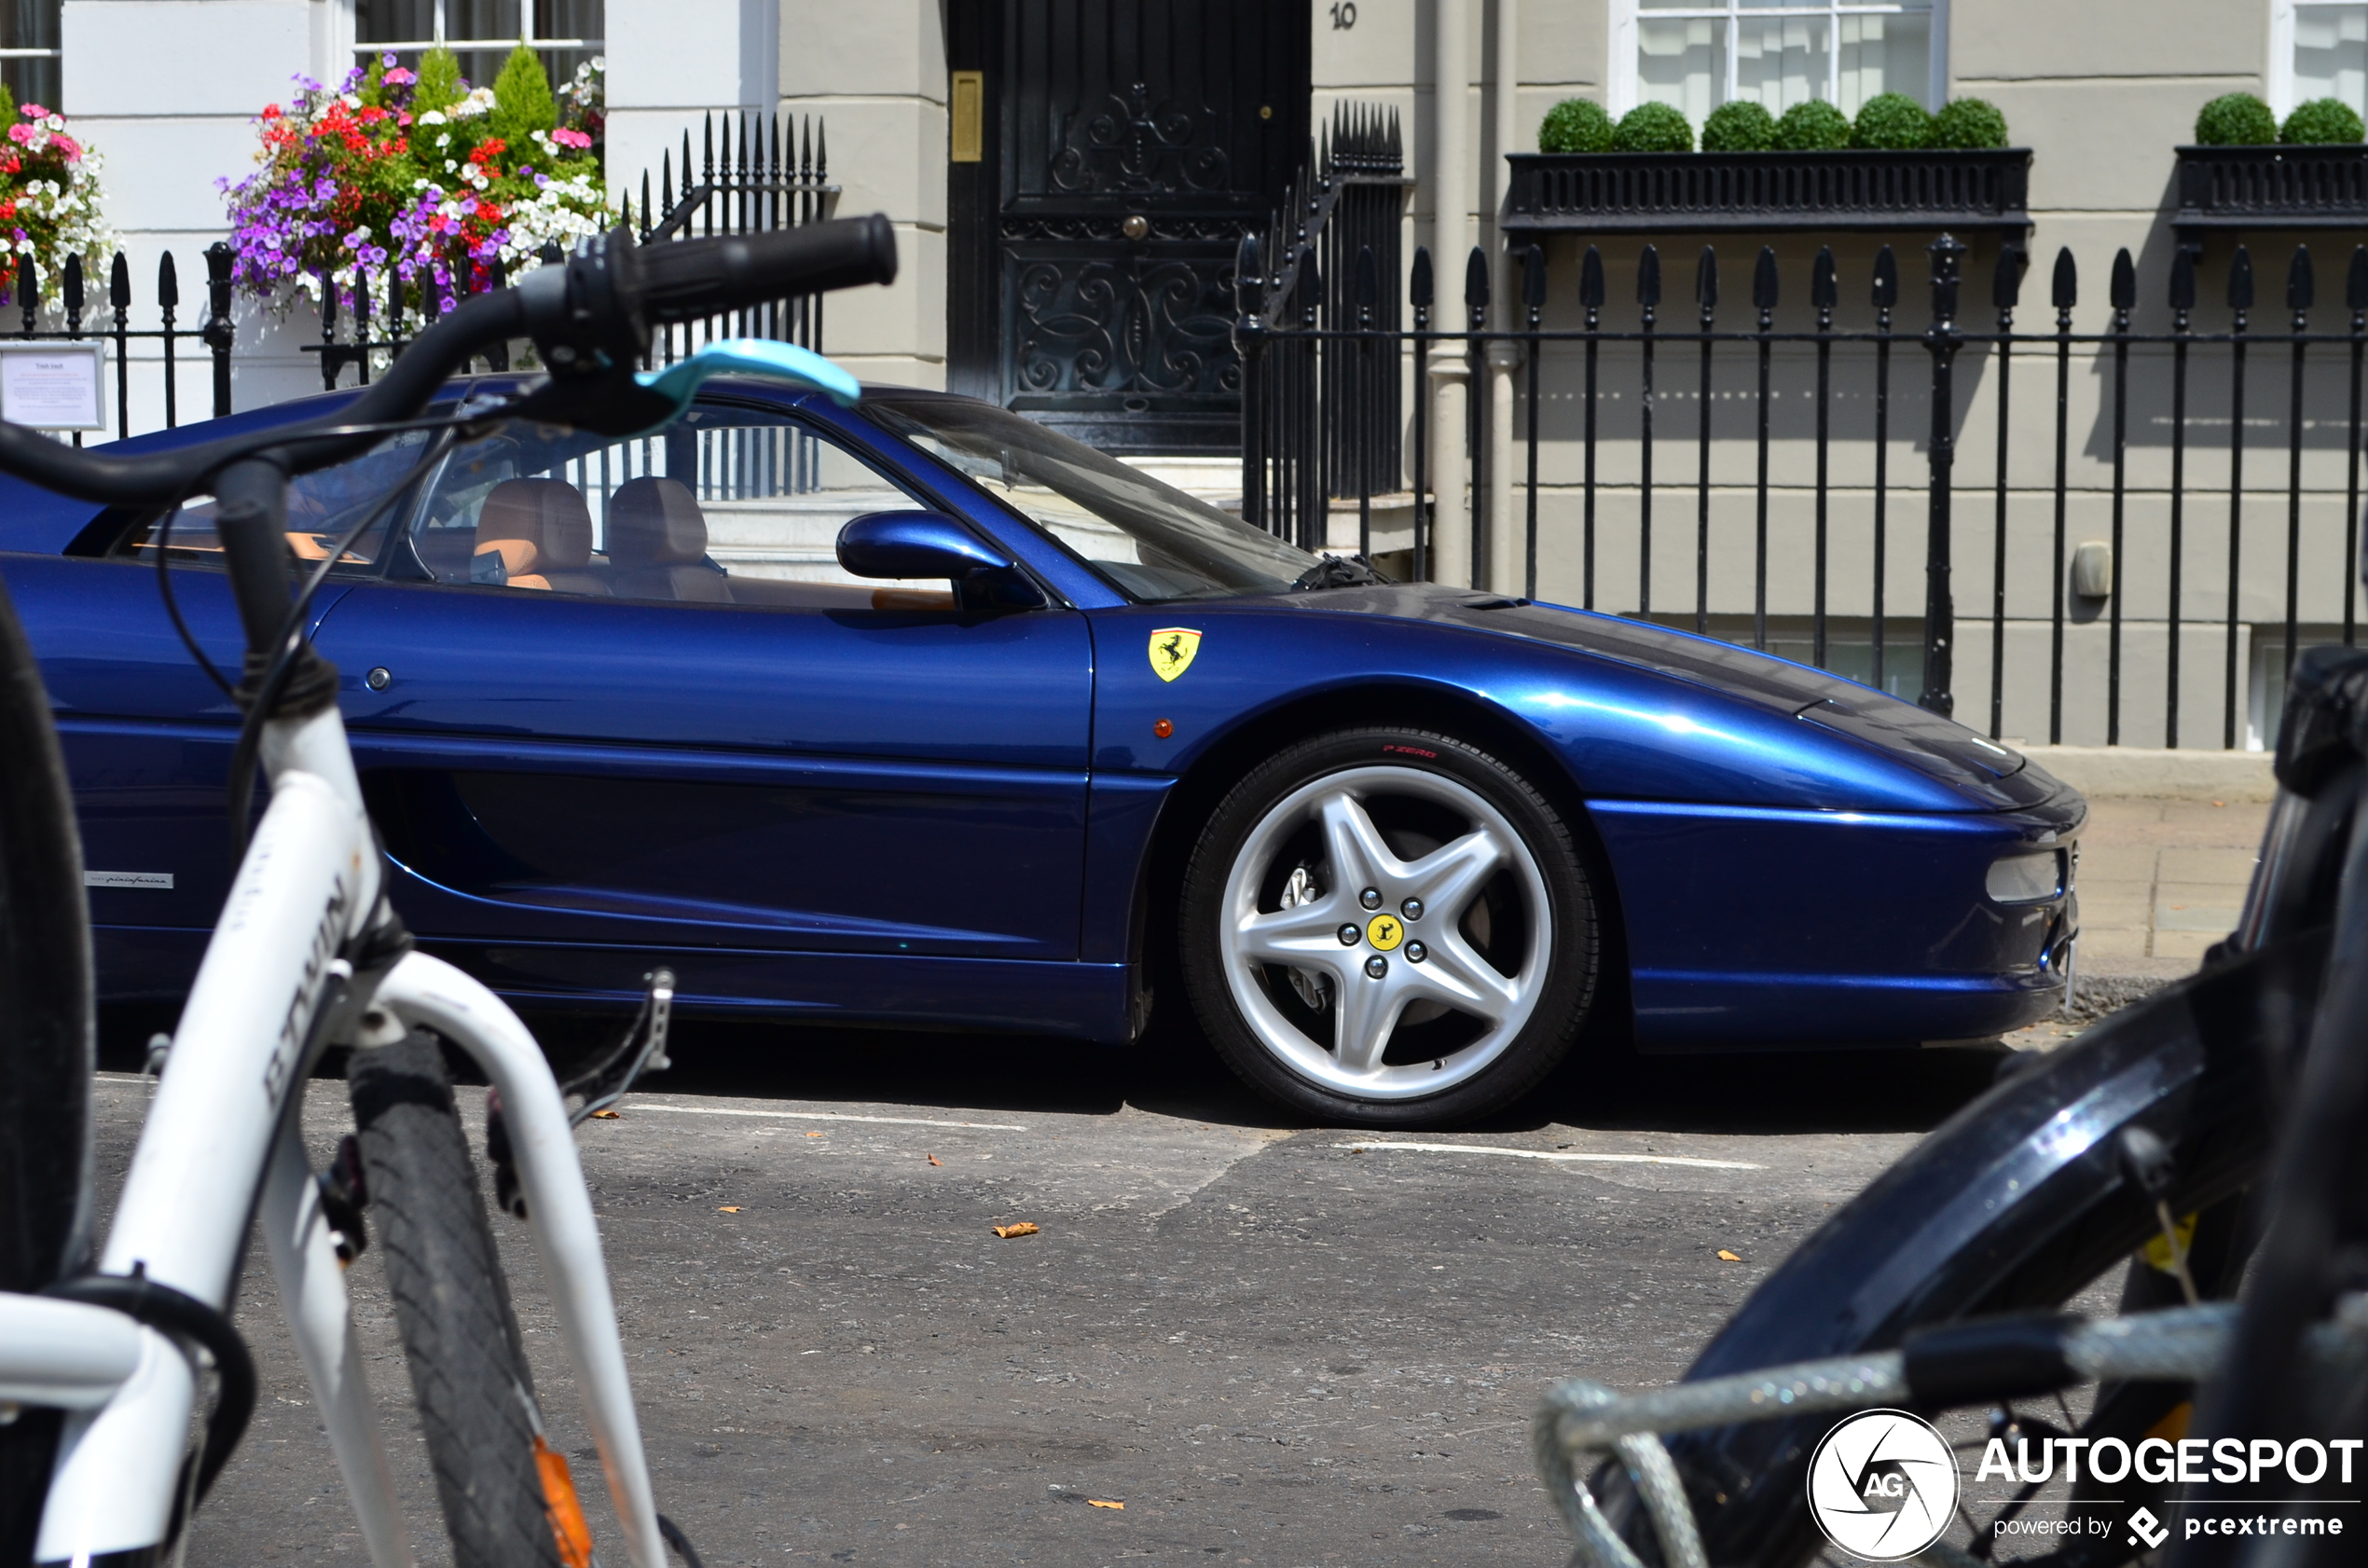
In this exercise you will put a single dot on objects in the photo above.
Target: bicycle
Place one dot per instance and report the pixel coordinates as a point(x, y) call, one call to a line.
point(1938, 1287)
point(100, 1367)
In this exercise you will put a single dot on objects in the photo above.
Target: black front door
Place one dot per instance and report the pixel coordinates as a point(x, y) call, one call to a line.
point(1126, 146)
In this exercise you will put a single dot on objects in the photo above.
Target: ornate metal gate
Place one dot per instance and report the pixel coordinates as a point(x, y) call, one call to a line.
point(1124, 147)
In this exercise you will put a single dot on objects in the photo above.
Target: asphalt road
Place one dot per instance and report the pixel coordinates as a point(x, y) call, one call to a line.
point(1271, 1347)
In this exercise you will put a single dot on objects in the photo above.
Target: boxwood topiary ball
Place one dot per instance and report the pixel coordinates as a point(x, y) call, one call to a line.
point(1812, 127)
point(1740, 126)
point(2235, 119)
point(1969, 122)
point(2321, 120)
point(1652, 128)
point(1892, 120)
point(1576, 125)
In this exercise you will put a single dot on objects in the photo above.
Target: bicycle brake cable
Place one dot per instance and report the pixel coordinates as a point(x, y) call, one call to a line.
point(291, 638)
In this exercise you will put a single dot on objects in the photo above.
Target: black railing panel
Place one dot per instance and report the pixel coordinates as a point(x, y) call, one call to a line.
point(1876, 481)
point(1643, 193)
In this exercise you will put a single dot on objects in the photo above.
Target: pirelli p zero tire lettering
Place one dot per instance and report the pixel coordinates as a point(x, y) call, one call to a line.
point(1388, 926)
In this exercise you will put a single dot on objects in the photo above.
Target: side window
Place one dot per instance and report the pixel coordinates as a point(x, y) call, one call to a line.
point(323, 509)
point(726, 506)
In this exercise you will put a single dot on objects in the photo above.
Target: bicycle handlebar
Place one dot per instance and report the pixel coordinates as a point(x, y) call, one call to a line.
point(589, 318)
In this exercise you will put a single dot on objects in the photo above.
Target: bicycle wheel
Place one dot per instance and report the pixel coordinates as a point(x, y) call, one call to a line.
point(2016, 1203)
point(460, 1337)
point(46, 1053)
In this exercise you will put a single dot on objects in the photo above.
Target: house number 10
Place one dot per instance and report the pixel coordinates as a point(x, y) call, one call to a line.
point(1343, 15)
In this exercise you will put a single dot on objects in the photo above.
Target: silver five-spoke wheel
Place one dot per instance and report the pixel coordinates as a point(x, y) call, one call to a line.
point(1391, 925)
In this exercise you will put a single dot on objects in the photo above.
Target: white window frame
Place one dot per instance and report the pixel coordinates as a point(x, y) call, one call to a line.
point(415, 45)
point(2281, 76)
point(51, 54)
point(1621, 89)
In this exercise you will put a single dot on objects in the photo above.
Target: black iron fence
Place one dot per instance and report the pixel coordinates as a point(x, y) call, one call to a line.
point(80, 319)
point(2273, 383)
point(1320, 414)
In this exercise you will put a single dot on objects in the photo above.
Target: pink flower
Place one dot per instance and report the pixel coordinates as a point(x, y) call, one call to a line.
point(33, 111)
point(68, 145)
point(399, 77)
point(571, 138)
point(22, 135)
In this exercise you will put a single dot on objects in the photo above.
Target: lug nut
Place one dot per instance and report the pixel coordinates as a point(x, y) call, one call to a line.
point(1370, 897)
point(1376, 967)
point(1411, 909)
point(1416, 953)
point(1350, 934)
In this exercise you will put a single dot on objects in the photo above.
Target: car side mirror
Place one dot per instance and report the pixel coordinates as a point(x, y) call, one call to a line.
point(924, 545)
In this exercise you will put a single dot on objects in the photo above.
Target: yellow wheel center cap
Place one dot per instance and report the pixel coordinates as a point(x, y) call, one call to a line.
point(1386, 931)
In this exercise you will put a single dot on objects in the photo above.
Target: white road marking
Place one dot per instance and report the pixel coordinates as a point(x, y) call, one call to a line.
point(828, 1116)
point(1558, 1154)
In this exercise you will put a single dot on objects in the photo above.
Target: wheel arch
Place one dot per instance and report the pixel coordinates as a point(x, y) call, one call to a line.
point(1229, 757)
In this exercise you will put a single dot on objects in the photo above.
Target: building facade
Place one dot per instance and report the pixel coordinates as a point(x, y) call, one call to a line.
point(1069, 179)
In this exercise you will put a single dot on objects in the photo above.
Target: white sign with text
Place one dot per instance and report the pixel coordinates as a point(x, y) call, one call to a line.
point(53, 386)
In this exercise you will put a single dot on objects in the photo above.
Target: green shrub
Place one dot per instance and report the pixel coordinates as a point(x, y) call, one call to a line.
point(1652, 128)
point(1969, 122)
point(522, 101)
point(1576, 125)
point(2235, 119)
point(1812, 127)
point(2321, 120)
point(1892, 120)
point(439, 85)
point(1740, 126)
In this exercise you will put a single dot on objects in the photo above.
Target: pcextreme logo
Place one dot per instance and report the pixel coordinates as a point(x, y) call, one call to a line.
point(1883, 1485)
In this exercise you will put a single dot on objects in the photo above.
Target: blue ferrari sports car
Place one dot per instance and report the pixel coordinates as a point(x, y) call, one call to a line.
point(915, 713)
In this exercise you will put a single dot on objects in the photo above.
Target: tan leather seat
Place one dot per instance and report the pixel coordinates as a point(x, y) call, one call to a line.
point(657, 544)
point(542, 530)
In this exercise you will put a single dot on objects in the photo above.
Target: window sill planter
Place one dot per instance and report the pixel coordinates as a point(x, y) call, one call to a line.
point(2222, 188)
point(1659, 193)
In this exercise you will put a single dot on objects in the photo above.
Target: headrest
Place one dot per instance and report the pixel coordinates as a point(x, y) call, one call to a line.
point(655, 522)
point(543, 520)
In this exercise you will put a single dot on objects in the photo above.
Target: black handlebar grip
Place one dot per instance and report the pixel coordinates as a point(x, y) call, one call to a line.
point(691, 278)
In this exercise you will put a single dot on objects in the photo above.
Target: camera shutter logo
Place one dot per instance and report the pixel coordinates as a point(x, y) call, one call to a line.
point(1883, 1485)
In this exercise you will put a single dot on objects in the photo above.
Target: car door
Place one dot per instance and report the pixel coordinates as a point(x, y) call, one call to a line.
point(618, 694)
point(147, 736)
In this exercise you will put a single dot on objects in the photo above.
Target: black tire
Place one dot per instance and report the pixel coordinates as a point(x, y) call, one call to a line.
point(452, 1304)
point(2015, 1203)
point(46, 1052)
point(1544, 926)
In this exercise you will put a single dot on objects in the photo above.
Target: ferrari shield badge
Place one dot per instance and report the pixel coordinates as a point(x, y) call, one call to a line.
point(1172, 651)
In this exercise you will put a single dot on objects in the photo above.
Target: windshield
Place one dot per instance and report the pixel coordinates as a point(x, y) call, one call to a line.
point(1152, 541)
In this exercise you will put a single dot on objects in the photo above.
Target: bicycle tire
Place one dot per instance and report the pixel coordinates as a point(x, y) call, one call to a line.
point(47, 1049)
point(468, 1367)
point(2012, 1205)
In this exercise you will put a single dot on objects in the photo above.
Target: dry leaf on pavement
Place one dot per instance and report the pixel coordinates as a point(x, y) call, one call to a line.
point(607, 1116)
point(1727, 1256)
point(728, 1208)
point(935, 1161)
point(1097, 1502)
point(1024, 1228)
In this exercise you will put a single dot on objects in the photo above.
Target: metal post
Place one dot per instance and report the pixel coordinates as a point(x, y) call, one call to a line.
point(1764, 300)
point(2005, 292)
point(2125, 296)
point(1419, 295)
point(218, 332)
point(120, 300)
point(1940, 606)
point(2182, 303)
point(168, 300)
point(1249, 343)
point(1533, 297)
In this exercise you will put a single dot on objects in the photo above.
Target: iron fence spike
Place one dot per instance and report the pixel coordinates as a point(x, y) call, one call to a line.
point(2240, 280)
point(2124, 288)
point(2006, 277)
point(2182, 278)
point(1476, 280)
point(1886, 278)
point(1648, 277)
point(1825, 285)
point(1534, 276)
point(1590, 279)
point(1419, 286)
point(1706, 280)
point(168, 282)
point(1763, 279)
point(2301, 287)
point(2065, 291)
point(119, 282)
point(2356, 281)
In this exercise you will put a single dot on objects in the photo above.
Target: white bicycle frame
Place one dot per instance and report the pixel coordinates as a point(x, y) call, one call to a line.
point(222, 1142)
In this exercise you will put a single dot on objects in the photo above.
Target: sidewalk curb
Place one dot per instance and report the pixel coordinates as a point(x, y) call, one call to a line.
point(2149, 773)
